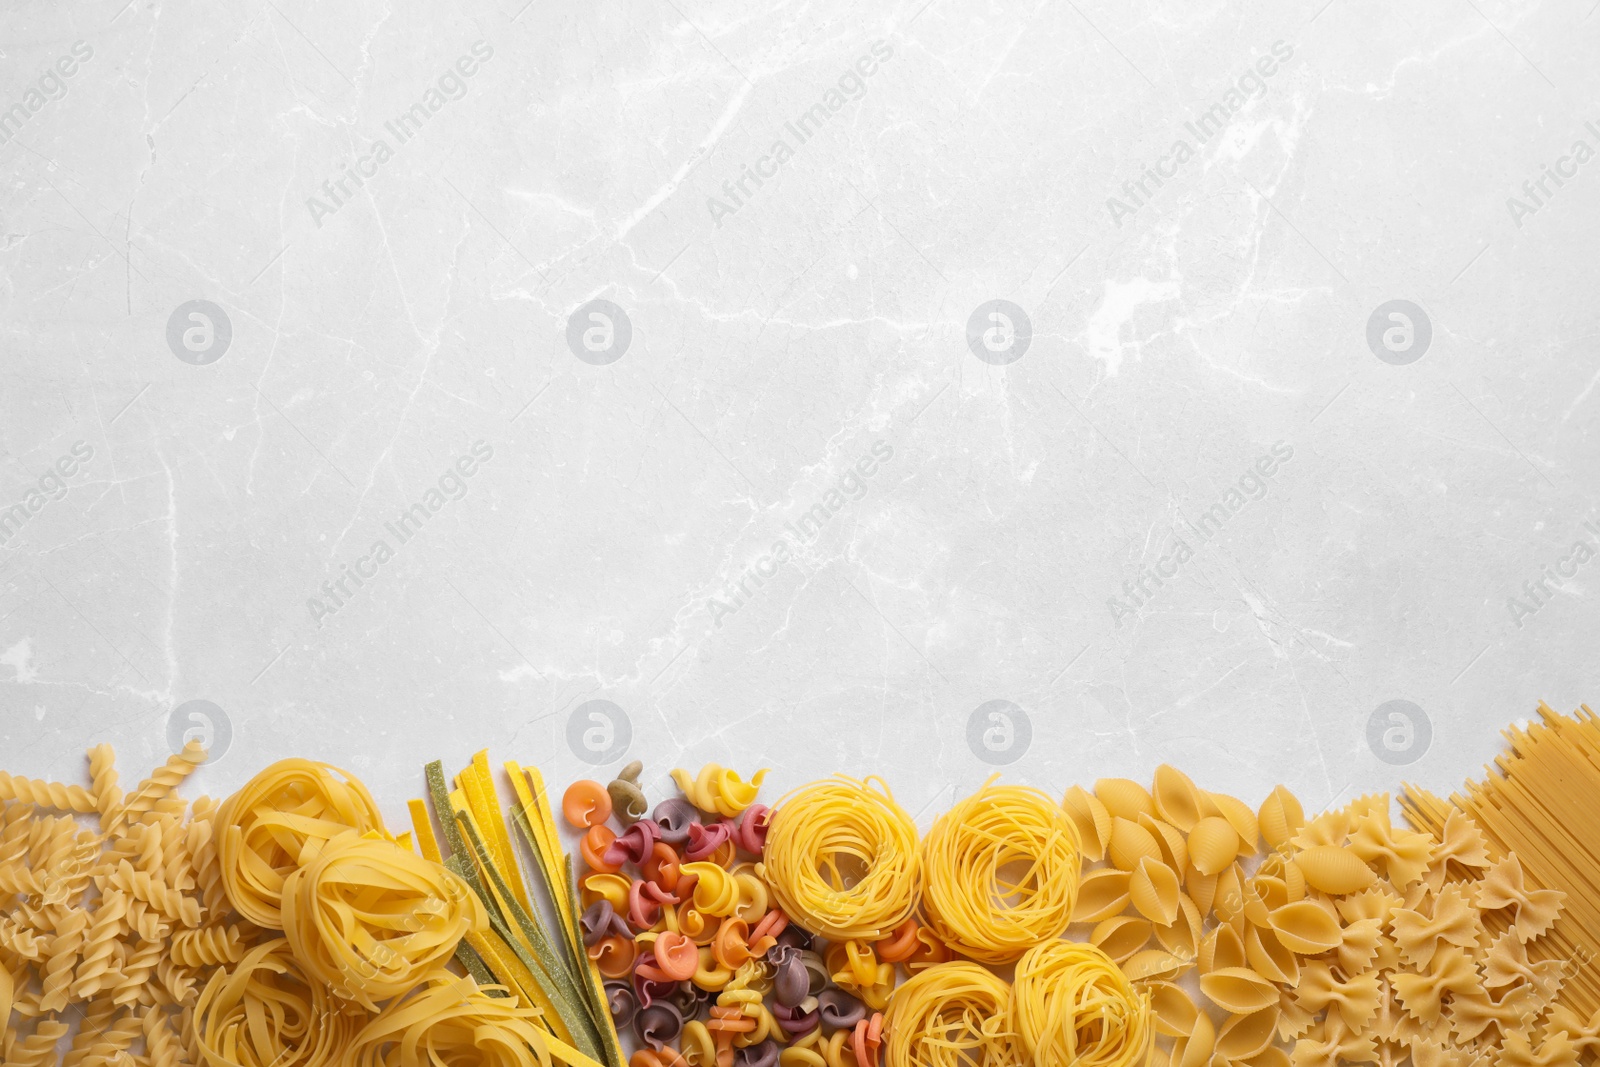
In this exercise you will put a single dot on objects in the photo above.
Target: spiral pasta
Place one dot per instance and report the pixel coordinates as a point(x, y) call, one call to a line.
point(37, 1049)
point(371, 919)
point(1001, 870)
point(1073, 1006)
point(103, 773)
point(156, 789)
point(55, 795)
point(951, 1015)
point(266, 1012)
point(842, 860)
point(279, 820)
point(448, 1021)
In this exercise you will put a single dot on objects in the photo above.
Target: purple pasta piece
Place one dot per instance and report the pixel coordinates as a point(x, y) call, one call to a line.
point(794, 937)
point(658, 1025)
point(764, 1054)
point(750, 831)
point(633, 845)
point(689, 998)
point(840, 1011)
point(623, 1004)
point(796, 1021)
point(673, 817)
point(601, 920)
point(706, 839)
point(649, 990)
point(791, 982)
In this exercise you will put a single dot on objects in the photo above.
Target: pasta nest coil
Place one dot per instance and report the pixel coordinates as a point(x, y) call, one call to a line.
point(1001, 869)
point(841, 859)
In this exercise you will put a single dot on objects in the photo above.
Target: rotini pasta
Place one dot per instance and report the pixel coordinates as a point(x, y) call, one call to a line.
point(1001, 872)
point(157, 788)
point(55, 795)
point(842, 859)
point(208, 947)
point(107, 795)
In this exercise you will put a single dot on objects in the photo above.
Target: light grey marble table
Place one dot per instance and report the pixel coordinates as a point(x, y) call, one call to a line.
point(929, 389)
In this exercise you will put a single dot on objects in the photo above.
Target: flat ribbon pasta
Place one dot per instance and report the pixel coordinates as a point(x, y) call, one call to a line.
point(371, 919)
point(266, 1012)
point(277, 822)
point(449, 1022)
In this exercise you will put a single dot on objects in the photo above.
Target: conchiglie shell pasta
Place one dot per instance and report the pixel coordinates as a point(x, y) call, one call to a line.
point(1172, 1009)
point(1238, 990)
point(1131, 843)
point(1177, 799)
point(1153, 963)
point(1280, 818)
point(1174, 850)
point(1334, 870)
point(1153, 890)
point(1092, 820)
point(1195, 1050)
point(1221, 950)
point(1265, 893)
point(1243, 1036)
point(1241, 818)
point(1305, 927)
point(1124, 798)
point(1268, 956)
point(1229, 901)
point(1202, 888)
point(1121, 936)
point(1182, 937)
point(1101, 894)
point(1213, 844)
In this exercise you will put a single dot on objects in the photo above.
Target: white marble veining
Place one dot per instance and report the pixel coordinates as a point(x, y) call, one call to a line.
point(925, 388)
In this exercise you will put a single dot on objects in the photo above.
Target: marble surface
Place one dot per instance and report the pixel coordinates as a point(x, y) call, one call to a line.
point(926, 388)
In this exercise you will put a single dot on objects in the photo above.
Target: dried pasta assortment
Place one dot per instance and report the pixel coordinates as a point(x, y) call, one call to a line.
point(1128, 925)
point(285, 927)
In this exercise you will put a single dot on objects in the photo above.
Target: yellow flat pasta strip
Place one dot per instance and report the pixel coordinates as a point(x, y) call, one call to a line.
point(511, 971)
point(569, 1055)
point(485, 801)
point(554, 854)
point(424, 830)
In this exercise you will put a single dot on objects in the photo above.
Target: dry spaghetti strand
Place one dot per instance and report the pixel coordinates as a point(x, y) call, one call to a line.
point(1539, 803)
point(1002, 871)
point(951, 1015)
point(1074, 1007)
point(842, 860)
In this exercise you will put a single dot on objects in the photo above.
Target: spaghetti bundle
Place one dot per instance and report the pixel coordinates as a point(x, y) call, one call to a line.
point(841, 859)
point(1072, 1005)
point(951, 1015)
point(371, 919)
point(278, 822)
point(1001, 871)
point(1540, 806)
